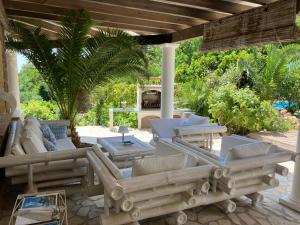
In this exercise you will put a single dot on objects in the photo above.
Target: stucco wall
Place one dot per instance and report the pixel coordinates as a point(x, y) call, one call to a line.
point(3, 74)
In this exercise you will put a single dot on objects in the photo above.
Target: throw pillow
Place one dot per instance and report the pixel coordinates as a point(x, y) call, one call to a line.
point(157, 164)
point(59, 131)
point(48, 134)
point(31, 143)
point(49, 145)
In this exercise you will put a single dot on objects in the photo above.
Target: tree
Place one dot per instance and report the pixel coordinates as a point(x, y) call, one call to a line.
point(81, 63)
point(30, 83)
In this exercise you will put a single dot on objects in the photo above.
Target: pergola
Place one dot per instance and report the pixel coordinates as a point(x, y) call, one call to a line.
point(222, 23)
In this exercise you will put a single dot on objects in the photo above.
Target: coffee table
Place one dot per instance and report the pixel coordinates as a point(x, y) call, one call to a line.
point(124, 152)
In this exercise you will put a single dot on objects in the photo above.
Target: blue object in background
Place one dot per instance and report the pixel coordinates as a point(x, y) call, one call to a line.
point(282, 105)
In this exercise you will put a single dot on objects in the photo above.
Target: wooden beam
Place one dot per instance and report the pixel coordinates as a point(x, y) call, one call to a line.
point(3, 17)
point(115, 10)
point(179, 11)
point(214, 5)
point(31, 7)
point(188, 33)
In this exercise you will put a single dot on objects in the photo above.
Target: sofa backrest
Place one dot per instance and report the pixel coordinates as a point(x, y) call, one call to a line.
point(164, 128)
point(228, 142)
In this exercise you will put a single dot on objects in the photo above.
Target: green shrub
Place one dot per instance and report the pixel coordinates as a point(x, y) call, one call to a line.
point(43, 110)
point(242, 111)
point(110, 96)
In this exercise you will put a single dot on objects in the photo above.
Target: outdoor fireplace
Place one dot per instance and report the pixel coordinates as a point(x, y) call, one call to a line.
point(151, 99)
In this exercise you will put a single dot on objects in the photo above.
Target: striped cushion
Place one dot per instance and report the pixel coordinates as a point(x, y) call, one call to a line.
point(48, 134)
point(59, 131)
point(49, 145)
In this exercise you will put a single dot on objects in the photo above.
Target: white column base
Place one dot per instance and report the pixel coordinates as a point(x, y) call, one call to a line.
point(290, 203)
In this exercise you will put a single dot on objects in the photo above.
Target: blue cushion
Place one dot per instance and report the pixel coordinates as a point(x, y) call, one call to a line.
point(47, 133)
point(49, 145)
point(59, 131)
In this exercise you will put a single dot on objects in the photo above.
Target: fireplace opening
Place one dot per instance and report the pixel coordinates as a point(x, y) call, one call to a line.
point(151, 99)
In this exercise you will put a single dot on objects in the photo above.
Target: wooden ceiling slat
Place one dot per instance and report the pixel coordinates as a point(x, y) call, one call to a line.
point(221, 6)
point(31, 7)
point(114, 10)
point(261, 2)
point(55, 27)
point(180, 11)
point(133, 28)
point(49, 33)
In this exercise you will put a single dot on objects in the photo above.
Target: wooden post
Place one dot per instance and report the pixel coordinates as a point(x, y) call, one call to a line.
point(30, 179)
point(178, 218)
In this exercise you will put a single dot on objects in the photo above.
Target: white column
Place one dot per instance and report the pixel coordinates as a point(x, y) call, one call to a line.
point(167, 80)
point(13, 79)
point(293, 199)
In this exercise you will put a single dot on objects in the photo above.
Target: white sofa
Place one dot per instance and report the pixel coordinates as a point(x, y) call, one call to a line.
point(194, 129)
point(27, 161)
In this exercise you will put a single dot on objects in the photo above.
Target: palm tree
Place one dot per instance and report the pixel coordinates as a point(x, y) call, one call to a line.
point(269, 66)
point(81, 62)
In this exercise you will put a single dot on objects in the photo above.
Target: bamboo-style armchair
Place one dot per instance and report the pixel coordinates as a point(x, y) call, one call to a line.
point(131, 198)
point(248, 173)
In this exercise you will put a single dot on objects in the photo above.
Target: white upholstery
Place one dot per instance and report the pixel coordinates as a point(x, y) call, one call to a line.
point(17, 149)
point(163, 128)
point(65, 144)
point(32, 125)
point(197, 120)
point(230, 141)
point(200, 129)
point(31, 143)
point(155, 164)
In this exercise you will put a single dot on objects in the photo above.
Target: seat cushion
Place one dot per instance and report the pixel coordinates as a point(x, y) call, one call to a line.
point(248, 151)
point(48, 134)
point(65, 144)
point(31, 143)
point(157, 164)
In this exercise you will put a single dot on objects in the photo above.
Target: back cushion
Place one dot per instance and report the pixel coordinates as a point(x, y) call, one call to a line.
point(248, 151)
point(197, 120)
point(31, 143)
point(154, 164)
point(164, 128)
point(231, 141)
point(32, 125)
point(17, 149)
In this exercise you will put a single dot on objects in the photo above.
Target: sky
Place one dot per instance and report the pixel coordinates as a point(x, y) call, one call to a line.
point(21, 60)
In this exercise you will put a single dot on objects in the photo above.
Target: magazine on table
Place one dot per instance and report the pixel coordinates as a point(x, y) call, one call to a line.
point(38, 209)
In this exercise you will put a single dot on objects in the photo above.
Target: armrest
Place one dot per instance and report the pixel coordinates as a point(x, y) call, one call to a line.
point(58, 122)
point(11, 161)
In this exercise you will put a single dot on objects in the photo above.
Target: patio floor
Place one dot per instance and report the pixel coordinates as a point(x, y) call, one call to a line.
point(84, 210)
